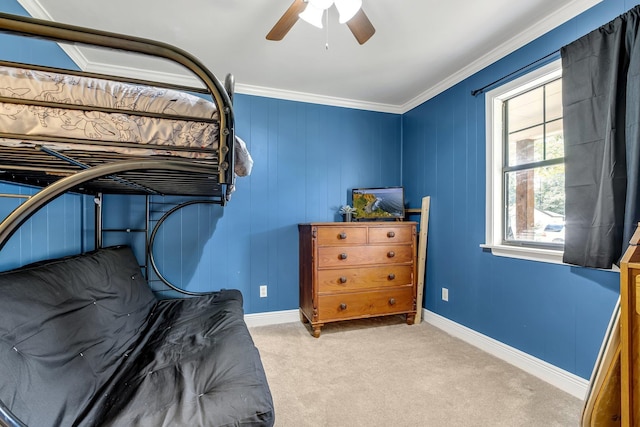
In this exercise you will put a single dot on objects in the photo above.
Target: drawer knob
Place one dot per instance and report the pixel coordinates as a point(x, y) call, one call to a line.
point(391, 276)
point(343, 306)
point(343, 279)
point(342, 236)
point(391, 234)
point(392, 301)
point(343, 256)
point(391, 254)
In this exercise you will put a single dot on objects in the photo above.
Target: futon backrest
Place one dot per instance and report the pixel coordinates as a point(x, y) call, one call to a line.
point(65, 326)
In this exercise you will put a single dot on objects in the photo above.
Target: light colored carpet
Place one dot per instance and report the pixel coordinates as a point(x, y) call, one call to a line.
point(383, 372)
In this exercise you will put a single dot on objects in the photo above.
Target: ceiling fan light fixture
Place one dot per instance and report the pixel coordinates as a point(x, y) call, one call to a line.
point(312, 15)
point(347, 9)
point(313, 11)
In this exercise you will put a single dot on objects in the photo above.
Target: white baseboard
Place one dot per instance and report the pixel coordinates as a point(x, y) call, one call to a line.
point(566, 381)
point(272, 318)
point(555, 376)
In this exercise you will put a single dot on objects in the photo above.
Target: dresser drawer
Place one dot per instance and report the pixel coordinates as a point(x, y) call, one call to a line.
point(362, 255)
point(390, 234)
point(341, 235)
point(363, 304)
point(355, 279)
point(356, 270)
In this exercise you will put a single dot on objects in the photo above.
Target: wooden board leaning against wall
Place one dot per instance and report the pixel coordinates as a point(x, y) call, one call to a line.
point(422, 252)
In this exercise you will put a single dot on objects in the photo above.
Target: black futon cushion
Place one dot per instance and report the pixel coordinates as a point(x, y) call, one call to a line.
point(83, 341)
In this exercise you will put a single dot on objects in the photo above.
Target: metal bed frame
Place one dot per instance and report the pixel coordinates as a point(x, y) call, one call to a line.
point(93, 172)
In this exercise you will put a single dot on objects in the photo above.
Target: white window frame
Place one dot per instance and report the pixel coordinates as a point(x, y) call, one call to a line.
point(495, 155)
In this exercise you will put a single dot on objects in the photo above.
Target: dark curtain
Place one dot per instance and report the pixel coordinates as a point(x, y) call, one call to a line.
point(601, 109)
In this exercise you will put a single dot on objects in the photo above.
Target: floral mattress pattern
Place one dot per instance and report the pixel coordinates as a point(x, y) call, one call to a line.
point(95, 125)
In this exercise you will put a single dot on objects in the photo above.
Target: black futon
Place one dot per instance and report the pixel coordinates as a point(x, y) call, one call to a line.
point(84, 342)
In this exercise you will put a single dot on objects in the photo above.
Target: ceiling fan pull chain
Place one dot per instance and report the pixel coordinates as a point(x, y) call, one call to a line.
point(326, 45)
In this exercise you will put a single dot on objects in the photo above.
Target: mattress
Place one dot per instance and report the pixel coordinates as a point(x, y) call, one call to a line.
point(170, 123)
point(84, 342)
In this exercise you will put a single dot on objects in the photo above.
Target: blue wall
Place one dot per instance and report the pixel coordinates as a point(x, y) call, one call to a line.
point(64, 227)
point(307, 158)
point(554, 312)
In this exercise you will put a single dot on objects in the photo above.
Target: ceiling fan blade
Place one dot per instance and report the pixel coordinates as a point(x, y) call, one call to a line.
point(361, 27)
point(286, 22)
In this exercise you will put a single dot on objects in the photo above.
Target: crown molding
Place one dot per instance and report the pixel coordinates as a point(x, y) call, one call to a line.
point(316, 99)
point(572, 9)
point(536, 30)
point(36, 10)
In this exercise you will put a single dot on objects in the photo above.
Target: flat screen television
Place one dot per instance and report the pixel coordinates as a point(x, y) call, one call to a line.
point(378, 203)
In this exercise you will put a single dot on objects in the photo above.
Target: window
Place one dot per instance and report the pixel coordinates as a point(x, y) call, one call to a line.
point(525, 167)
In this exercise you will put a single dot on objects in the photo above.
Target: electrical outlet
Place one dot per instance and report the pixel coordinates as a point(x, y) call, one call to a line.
point(263, 291)
point(445, 294)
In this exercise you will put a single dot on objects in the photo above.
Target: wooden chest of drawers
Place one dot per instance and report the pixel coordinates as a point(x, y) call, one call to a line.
point(354, 270)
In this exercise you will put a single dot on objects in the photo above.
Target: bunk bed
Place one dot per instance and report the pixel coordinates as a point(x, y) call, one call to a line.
point(69, 130)
point(120, 356)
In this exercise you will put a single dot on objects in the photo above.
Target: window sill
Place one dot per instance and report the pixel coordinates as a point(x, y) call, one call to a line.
point(531, 254)
point(534, 254)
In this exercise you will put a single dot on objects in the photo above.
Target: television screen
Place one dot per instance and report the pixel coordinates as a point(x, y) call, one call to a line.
point(378, 203)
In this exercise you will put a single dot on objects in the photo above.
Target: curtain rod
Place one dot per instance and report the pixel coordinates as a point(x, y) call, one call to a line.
point(483, 88)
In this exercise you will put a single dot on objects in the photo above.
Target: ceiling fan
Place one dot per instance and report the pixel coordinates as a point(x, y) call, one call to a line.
point(312, 11)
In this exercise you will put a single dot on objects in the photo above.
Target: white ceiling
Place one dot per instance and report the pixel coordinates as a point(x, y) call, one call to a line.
point(420, 48)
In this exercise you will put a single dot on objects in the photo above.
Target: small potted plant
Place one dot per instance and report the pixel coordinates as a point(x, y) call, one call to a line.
point(348, 212)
